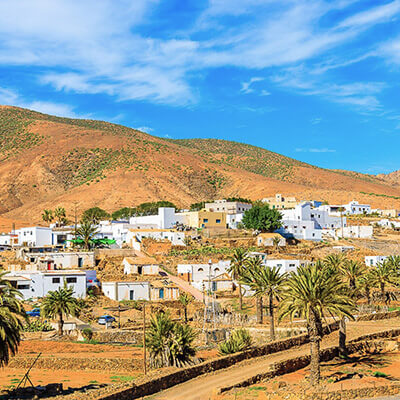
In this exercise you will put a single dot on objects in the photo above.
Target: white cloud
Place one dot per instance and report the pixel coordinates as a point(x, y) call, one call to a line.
point(145, 129)
point(11, 97)
point(315, 150)
point(246, 86)
point(316, 120)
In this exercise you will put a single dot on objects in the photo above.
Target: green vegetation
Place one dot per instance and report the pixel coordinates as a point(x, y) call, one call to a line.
point(123, 213)
point(311, 293)
point(379, 374)
point(15, 134)
point(198, 206)
point(59, 304)
point(185, 300)
point(236, 269)
point(122, 378)
point(87, 333)
point(169, 343)
point(207, 251)
point(244, 156)
point(86, 232)
point(262, 218)
point(12, 315)
point(37, 326)
point(239, 340)
point(95, 215)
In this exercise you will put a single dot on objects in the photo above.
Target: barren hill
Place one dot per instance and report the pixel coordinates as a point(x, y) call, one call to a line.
point(46, 161)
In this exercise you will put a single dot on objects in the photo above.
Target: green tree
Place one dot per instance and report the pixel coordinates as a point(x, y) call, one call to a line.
point(365, 284)
point(310, 293)
point(185, 300)
point(351, 271)
point(197, 206)
point(265, 281)
point(86, 232)
point(276, 241)
point(123, 213)
point(262, 218)
point(169, 343)
point(59, 304)
point(236, 268)
point(239, 340)
point(382, 277)
point(12, 315)
point(47, 216)
point(60, 216)
point(95, 215)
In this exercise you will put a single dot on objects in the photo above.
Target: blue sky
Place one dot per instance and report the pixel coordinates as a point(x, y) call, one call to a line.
point(315, 80)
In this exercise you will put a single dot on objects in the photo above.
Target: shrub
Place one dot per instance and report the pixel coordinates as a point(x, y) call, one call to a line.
point(378, 374)
point(239, 340)
point(87, 333)
point(38, 326)
point(170, 343)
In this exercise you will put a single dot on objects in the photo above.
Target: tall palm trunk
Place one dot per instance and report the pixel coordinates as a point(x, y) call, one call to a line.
point(382, 290)
point(259, 306)
point(342, 337)
point(271, 317)
point(186, 318)
point(240, 297)
point(315, 341)
point(60, 324)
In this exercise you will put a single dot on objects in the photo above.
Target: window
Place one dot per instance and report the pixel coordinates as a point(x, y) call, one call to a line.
point(205, 220)
point(71, 280)
point(292, 265)
point(218, 221)
point(55, 280)
point(200, 270)
point(23, 287)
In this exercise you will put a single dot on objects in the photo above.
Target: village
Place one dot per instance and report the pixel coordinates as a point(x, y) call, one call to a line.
point(218, 274)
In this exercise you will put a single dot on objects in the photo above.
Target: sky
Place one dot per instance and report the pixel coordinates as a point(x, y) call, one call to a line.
point(311, 79)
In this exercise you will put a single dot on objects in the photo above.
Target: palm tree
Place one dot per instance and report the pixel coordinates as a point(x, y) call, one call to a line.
point(236, 268)
point(351, 271)
point(333, 263)
point(60, 215)
point(60, 303)
point(86, 232)
point(47, 216)
point(365, 283)
point(11, 316)
point(310, 293)
point(185, 300)
point(169, 343)
point(382, 276)
point(394, 263)
point(276, 241)
point(265, 281)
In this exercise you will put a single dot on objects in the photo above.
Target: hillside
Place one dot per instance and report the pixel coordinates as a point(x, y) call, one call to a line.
point(46, 161)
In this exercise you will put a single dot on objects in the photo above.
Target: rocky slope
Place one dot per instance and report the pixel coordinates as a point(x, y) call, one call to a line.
point(46, 161)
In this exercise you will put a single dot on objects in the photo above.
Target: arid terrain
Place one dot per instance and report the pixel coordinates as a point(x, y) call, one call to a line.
point(49, 161)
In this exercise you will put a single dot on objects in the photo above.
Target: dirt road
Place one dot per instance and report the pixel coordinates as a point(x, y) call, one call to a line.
point(203, 387)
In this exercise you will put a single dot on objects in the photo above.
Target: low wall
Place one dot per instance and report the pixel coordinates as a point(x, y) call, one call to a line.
point(186, 374)
point(98, 253)
point(378, 316)
point(76, 364)
point(110, 336)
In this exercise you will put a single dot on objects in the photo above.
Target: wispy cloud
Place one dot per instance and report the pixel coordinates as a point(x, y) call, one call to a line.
point(315, 121)
point(145, 129)
point(246, 86)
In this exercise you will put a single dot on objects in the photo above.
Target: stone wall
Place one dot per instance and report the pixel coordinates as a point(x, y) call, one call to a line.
point(112, 336)
point(378, 316)
point(76, 364)
point(186, 374)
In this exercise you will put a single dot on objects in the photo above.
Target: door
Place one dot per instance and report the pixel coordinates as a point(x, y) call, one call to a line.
point(161, 293)
point(80, 262)
point(214, 286)
point(131, 295)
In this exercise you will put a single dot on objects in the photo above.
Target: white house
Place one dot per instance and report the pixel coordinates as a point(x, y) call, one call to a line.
point(228, 207)
point(285, 265)
point(165, 219)
point(354, 208)
point(35, 236)
point(61, 260)
point(267, 239)
point(140, 266)
point(304, 222)
point(232, 220)
point(135, 236)
point(126, 290)
point(356, 231)
point(198, 273)
point(389, 224)
point(8, 239)
point(372, 261)
point(39, 284)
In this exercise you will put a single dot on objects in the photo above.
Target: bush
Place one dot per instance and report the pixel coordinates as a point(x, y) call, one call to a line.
point(87, 333)
point(239, 340)
point(378, 374)
point(38, 326)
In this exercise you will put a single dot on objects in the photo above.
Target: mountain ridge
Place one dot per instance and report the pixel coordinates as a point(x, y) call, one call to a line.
point(47, 161)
